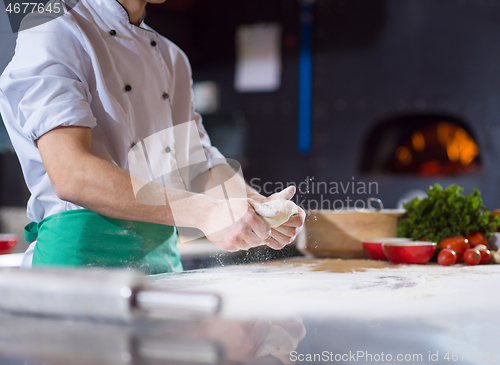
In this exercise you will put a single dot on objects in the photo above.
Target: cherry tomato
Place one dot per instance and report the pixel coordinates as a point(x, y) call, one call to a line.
point(447, 257)
point(477, 238)
point(458, 244)
point(485, 254)
point(472, 256)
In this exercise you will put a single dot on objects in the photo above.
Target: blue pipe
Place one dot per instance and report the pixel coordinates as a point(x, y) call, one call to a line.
point(305, 78)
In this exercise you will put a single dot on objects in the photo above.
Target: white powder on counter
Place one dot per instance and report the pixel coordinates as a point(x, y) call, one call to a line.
point(342, 288)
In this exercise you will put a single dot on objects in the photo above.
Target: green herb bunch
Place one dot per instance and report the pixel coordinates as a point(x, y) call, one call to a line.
point(446, 213)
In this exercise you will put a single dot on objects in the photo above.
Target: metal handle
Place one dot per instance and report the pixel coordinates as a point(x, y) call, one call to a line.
point(177, 305)
point(378, 201)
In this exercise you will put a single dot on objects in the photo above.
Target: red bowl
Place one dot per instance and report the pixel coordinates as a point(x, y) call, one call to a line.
point(7, 243)
point(409, 252)
point(373, 247)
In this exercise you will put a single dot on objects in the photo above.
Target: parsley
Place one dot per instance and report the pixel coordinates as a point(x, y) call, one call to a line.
point(446, 213)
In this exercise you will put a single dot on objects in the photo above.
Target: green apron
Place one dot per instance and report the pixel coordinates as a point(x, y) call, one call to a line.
point(84, 238)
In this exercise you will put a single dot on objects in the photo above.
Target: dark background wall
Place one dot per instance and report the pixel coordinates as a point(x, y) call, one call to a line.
point(373, 60)
point(13, 191)
point(206, 32)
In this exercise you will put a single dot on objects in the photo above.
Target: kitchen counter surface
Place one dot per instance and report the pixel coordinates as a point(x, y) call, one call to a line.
point(336, 287)
point(352, 305)
point(295, 310)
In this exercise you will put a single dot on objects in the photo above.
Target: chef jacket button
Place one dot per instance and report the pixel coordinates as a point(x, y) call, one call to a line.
point(153, 44)
point(133, 147)
point(167, 149)
point(165, 96)
point(128, 88)
point(112, 32)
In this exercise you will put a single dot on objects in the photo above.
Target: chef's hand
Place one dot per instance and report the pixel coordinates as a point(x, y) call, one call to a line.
point(238, 228)
point(288, 231)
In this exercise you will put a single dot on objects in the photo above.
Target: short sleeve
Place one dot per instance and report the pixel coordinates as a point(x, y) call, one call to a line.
point(46, 84)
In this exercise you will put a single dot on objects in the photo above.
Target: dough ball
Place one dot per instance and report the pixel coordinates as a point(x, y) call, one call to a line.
point(276, 212)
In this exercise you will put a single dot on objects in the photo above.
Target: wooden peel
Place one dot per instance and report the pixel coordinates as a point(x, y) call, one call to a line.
point(338, 233)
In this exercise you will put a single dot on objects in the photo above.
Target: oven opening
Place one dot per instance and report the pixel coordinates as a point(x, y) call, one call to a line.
point(425, 145)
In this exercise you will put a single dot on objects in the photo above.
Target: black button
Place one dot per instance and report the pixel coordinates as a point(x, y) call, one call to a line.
point(153, 44)
point(112, 32)
point(165, 96)
point(128, 88)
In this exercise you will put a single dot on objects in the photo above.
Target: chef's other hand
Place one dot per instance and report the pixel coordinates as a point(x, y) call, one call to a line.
point(288, 231)
point(237, 228)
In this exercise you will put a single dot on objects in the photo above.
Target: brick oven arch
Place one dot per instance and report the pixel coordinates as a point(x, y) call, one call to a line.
point(422, 144)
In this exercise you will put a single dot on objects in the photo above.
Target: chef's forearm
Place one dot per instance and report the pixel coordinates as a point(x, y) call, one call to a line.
point(100, 186)
point(107, 189)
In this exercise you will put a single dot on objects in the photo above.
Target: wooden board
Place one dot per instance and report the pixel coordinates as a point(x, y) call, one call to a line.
point(330, 233)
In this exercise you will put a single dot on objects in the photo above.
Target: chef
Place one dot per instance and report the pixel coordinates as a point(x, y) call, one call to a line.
point(84, 94)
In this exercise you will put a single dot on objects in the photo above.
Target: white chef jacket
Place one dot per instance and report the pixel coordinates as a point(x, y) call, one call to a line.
point(91, 67)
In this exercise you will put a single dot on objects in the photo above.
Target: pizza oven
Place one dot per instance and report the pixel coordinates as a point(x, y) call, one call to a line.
point(424, 145)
